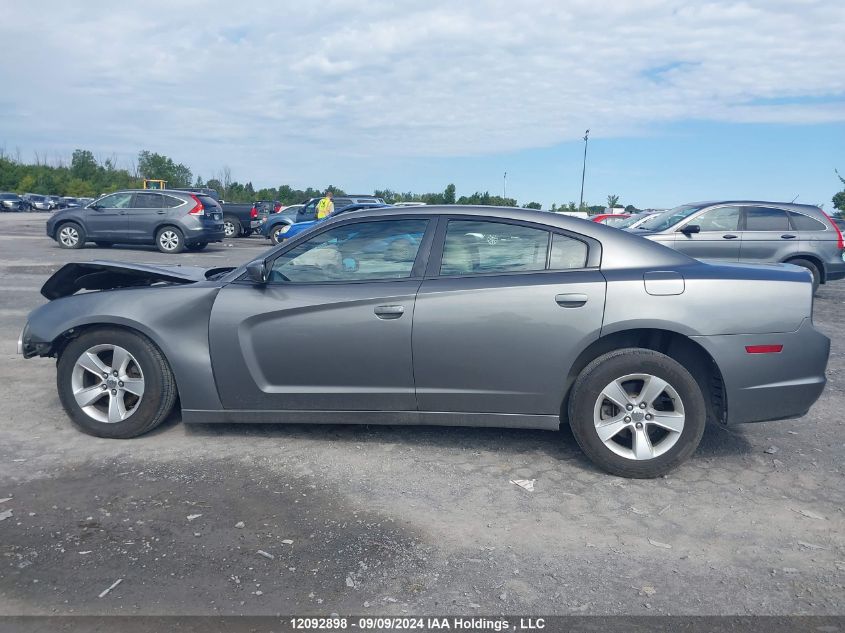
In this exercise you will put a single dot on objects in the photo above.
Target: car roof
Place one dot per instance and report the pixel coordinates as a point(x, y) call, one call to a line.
point(710, 203)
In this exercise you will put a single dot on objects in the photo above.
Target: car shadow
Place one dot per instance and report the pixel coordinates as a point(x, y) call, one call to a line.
point(560, 445)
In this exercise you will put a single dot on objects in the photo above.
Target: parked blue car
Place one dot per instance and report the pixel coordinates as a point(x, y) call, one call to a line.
point(281, 228)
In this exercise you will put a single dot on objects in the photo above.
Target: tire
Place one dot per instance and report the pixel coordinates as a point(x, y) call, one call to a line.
point(170, 240)
point(814, 271)
point(276, 235)
point(624, 453)
point(232, 226)
point(141, 411)
point(197, 246)
point(70, 235)
point(104, 244)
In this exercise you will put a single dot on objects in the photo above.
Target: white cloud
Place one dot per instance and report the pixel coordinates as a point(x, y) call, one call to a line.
point(406, 78)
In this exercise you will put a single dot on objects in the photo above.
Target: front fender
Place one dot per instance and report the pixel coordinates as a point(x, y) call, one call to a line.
point(175, 318)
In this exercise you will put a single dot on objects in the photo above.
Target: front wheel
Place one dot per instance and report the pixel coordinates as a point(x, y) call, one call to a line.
point(115, 383)
point(277, 236)
point(637, 413)
point(70, 235)
point(170, 240)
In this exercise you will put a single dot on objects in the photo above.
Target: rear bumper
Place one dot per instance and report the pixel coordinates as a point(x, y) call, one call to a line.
point(762, 387)
point(835, 270)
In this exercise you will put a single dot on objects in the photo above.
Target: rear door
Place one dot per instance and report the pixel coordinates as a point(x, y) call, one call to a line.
point(144, 215)
point(719, 237)
point(767, 235)
point(106, 220)
point(502, 315)
point(331, 330)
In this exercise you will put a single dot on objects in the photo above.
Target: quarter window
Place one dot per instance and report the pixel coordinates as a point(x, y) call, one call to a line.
point(765, 219)
point(567, 253)
point(361, 251)
point(474, 247)
point(718, 219)
point(801, 222)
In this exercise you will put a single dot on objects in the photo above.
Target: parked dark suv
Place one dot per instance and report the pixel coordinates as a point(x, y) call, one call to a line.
point(172, 220)
point(750, 231)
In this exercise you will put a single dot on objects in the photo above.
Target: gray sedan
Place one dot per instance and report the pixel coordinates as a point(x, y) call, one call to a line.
point(470, 316)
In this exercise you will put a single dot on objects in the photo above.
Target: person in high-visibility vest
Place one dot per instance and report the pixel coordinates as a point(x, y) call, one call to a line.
point(325, 206)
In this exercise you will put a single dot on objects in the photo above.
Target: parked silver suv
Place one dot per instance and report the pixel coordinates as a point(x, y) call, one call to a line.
point(753, 232)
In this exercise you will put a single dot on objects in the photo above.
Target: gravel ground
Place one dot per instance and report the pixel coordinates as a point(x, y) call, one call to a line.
point(226, 519)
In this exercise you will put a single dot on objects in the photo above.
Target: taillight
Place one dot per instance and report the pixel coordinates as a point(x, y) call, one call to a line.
point(840, 244)
point(277, 208)
point(198, 209)
point(764, 349)
point(253, 212)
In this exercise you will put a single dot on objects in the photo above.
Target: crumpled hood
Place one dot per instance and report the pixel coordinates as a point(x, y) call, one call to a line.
point(104, 275)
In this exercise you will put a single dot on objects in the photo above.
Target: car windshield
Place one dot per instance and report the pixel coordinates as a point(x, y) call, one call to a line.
point(8, 196)
point(667, 219)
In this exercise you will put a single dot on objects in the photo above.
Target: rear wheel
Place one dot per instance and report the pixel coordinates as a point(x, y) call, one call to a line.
point(70, 235)
point(814, 270)
point(276, 234)
point(115, 383)
point(637, 413)
point(231, 226)
point(170, 240)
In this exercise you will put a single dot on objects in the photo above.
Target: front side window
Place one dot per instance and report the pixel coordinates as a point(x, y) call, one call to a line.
point(115, 201)
point(718, 219)
point(362, 251)
point(475, 247)
point(765, 219)
point(668, 219)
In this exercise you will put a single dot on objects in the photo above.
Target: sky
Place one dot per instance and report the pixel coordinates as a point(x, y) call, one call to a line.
point(685, 100)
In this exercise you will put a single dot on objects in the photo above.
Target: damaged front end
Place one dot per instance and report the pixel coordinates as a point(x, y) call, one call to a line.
point(106, 275)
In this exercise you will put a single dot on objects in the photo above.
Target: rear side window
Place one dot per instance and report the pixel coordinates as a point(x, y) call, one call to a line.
point(765, 219)
point(801, 222)
point(475, 247)
point(147, 201)
point(170, 202)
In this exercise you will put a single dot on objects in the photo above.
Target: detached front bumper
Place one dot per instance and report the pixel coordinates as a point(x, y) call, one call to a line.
point(770, 386)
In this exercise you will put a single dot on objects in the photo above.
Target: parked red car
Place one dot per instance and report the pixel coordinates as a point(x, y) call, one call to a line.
point(604, 217)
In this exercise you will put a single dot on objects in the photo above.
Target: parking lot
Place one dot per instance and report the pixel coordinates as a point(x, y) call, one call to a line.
point(230, 519)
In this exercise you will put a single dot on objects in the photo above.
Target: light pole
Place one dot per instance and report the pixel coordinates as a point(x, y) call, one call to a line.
point(584, 169)
point(505, 185)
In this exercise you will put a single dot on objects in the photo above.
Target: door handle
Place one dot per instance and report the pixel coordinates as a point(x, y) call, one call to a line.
point(571, 300)
point(730, 236)
point(788, 236)
point(389, 312)
point(161, 212)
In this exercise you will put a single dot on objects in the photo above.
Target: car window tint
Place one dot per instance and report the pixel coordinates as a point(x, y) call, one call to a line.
point(353, 252)
point(567, 253)
point(171, 201)
point(765, 219)
point(801, 222)
point(718, 219)
point(115, 201)
point(474, 247)
point(147, 201)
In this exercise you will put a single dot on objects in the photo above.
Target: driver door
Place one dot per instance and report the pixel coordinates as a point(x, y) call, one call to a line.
point(719, 239)
point(331, 328)
point(108, 221)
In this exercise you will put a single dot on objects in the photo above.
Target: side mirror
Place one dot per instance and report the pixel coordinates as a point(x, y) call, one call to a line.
point(96, 207)
point(257, 272)
point(689, 229)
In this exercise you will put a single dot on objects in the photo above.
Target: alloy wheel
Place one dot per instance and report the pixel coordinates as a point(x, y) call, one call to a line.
point(107, 383)
point(639, 416)
point(169, 240)
point(69, 236)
